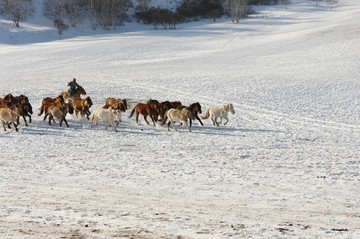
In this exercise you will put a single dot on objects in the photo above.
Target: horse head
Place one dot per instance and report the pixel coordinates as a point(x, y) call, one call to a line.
point(88, 101)
point(229, 107)
point(81, 90)
point(195, 108)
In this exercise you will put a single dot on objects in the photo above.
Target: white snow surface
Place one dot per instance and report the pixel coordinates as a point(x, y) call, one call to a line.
point(285, 166)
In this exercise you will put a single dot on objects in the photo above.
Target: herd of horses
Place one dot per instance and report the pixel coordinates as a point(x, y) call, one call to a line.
point(14, 107)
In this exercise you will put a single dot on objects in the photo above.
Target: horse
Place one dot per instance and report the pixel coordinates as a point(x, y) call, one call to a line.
point(82, 106)
point(121, 104)
point(219, 111)
point(151, 108)
point(178, 115)
point(59, 111)
point(47, 102)
point(22, 102)
point(164, 106)
point(195, 109)
point(10, 115)
point(110, 116)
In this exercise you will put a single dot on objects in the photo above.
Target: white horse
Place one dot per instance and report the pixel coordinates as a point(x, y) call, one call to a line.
point(110, 116)
point(219, 111)
point(177, 115)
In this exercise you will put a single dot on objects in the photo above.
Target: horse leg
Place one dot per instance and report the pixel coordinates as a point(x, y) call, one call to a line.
point(15, 126)
point(3, 123)
point(145, 117)
point(212, 119)
point(25, 120)
point(114, 126)
point(46, 114)
point(50, 118)
point(187, 126)
point(198, 118)
point(227, 120)
point(153, 119)
point(67, 125)
point(137, 117)
point(215, 121)
point(173, 123)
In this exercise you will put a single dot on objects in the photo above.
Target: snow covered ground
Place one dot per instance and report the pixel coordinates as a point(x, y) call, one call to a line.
point(286, 165)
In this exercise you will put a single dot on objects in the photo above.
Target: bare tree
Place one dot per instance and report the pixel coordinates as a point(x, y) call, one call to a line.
point(55, 11)
point(237, 9)
point(285, 2)
point(17, 10)
point(332, 3)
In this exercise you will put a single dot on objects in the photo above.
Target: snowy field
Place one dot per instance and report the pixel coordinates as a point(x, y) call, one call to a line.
point(286, 165)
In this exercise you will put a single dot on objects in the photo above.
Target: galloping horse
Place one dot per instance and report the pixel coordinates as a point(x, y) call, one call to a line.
point(195, 109)
point(22, 101)
point(151, 108)
point(166, 105)
point(219, 111)
point(177, 115)
point(82, 106)
point(59, 111)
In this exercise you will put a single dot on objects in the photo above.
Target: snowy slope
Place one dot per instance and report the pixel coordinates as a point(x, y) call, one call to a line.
point(286, 165)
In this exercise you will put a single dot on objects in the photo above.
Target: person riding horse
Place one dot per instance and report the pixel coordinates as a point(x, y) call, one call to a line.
point(73, 87)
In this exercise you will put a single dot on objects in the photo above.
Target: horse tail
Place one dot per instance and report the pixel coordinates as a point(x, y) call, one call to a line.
point(132, 112)
point(207, 114)
point(164, 119)
point(92, 117)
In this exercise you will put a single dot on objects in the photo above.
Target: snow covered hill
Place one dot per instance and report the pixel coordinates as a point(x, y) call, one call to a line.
point(286, 165)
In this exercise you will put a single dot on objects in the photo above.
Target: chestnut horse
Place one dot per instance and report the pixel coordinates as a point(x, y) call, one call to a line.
point(151, 108)
point(82, 106)
point(120, 104)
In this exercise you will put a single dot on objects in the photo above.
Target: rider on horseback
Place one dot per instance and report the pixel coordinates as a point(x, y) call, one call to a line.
point(73, 87)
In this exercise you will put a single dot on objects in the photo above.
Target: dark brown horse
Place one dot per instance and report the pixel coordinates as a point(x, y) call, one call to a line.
point(166, 105)
point(151, 108)
point(195, 109)
point(22, 102)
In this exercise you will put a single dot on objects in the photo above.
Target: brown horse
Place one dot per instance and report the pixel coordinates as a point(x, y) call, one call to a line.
point(151, 108)
point(120, 104)
point(82, 106)
point(22, 102)
point(47, 102)
point(59, 111)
